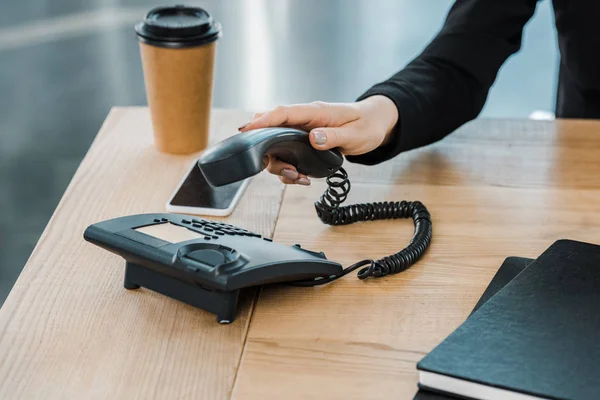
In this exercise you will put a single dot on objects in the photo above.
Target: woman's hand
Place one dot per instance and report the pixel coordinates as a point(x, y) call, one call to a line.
point(354, 128)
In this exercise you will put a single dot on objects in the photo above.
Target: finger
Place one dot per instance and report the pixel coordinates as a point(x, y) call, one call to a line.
point(328, 138)
point(279, 116)
point(279, 167)
point(254, 118)
point(257, 116)
point(304, 181)
point(287, 181)
point(309, 115)
point(287, 173)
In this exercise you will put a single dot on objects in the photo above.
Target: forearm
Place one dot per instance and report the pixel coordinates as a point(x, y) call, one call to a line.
point(448, 83)
point(432, 100)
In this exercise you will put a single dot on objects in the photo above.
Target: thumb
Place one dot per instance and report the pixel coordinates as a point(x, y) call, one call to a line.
point(328, 138)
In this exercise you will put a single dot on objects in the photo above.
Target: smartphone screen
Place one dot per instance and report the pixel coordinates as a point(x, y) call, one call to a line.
point(195, 192)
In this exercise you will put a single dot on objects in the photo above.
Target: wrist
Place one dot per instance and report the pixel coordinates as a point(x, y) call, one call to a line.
point(383, 112)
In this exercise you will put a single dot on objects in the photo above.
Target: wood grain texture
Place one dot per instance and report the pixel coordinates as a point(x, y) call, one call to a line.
point(498, 152)
point(69, 330)
point(494, 189)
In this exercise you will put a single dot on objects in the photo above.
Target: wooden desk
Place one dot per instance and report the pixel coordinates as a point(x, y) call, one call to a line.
point(495, 188)
point(69, 330)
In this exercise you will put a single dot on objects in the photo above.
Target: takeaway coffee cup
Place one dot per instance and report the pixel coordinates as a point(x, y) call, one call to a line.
point(177, 47)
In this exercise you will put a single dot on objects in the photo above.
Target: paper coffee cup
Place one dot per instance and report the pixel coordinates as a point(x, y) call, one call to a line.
point(177, 47)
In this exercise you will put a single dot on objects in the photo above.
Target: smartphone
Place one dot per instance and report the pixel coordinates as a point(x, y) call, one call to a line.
point(194, 195)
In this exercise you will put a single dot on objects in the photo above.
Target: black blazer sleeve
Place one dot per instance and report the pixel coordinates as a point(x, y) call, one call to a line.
point(448, 83)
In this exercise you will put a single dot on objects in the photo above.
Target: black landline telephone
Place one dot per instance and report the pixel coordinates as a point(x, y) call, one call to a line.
point(206, 263)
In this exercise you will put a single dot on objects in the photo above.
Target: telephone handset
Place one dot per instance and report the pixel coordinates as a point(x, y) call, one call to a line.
point(240, 156)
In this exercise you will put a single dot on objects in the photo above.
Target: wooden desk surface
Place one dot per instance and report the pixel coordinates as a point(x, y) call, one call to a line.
point(495, 188)
point(69, 330)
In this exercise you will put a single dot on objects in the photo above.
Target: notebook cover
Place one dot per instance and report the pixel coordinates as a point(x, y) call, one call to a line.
point(510, 268)
point(538, 335)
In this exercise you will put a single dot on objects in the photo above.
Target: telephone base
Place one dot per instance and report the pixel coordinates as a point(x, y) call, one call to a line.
point(223, 304)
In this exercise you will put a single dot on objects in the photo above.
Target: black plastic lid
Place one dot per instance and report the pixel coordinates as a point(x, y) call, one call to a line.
point(178, 26)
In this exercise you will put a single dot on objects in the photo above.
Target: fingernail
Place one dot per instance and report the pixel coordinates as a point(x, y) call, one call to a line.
point(290, 174)
point(303, 181)
point(243, 126)
point(320, 137)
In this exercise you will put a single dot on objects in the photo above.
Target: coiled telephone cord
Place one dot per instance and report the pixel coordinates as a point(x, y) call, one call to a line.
point(330, 212)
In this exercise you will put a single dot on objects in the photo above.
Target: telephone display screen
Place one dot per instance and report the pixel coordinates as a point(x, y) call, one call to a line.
point(170, 233)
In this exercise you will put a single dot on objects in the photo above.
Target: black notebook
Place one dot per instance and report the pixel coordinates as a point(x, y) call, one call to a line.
point(510, 268)
point(537, 338)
